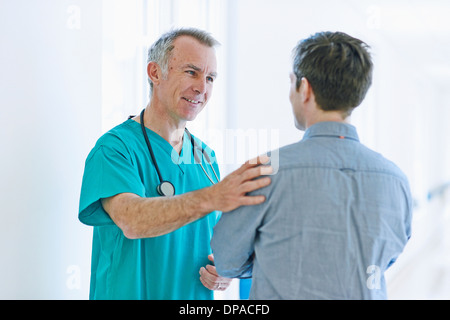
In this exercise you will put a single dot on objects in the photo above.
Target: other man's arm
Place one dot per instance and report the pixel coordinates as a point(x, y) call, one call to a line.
point(151, 217)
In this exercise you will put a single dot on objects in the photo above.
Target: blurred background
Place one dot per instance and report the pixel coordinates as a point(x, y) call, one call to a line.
point(73, 69)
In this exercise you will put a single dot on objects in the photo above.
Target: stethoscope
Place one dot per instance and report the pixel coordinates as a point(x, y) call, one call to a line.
point(166, 188)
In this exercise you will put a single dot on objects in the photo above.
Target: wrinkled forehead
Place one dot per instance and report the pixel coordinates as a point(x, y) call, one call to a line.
point(188, 50)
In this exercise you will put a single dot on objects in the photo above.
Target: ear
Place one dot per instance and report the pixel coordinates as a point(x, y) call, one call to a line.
point(154, 72)
point(306, 90)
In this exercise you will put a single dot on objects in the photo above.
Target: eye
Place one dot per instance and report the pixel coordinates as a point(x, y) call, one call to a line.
point(191, 72)
point(210, 79)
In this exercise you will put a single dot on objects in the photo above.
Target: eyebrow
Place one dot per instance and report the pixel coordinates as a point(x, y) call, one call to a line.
point(192, 66)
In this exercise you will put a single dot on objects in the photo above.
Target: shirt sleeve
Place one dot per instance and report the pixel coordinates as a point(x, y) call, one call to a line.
point(108, 172)
point(234, 239)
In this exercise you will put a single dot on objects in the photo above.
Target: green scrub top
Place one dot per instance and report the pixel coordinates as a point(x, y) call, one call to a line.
point(164, 267)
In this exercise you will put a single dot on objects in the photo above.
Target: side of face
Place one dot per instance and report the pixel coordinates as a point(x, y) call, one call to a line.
point(187, 87)
point(297, 102)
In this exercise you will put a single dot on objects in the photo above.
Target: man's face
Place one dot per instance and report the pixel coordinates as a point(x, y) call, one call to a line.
point(188, 85)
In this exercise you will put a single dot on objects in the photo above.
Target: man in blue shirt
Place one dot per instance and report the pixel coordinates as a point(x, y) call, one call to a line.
point(145, 245)
point(337, 214)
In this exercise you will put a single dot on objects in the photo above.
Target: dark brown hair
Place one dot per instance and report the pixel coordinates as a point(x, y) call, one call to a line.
point(338, 68)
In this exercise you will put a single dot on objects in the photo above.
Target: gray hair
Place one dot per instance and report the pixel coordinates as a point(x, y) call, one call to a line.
point(161, 50)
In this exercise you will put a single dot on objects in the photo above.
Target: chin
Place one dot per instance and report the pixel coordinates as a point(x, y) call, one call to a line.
point(190, 117)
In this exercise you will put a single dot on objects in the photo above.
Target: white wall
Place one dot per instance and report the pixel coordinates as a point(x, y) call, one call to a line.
point(50, 104)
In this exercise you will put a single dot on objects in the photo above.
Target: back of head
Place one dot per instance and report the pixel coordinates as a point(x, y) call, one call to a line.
point(338, 67)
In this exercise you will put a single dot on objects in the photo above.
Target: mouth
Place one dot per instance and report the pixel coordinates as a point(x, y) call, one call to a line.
point(193, 101)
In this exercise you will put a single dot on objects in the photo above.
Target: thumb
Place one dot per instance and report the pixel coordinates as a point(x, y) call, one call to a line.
point(211, 258)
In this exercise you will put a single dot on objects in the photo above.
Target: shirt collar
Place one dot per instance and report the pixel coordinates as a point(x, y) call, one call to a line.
point(332, 129)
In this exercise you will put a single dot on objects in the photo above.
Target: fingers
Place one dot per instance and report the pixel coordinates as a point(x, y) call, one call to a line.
point(249, 186)
point(206, 279)
point(262, 159)
point(252, 173)
point(252, 185)
point(252, 200)
point(211, 280)
point(231, 192)
point(212, 270)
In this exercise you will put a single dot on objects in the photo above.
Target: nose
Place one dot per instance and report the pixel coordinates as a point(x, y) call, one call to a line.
point(200, 86)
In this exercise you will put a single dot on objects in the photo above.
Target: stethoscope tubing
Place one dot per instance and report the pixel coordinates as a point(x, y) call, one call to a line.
point(194, 147)
point(167, 184)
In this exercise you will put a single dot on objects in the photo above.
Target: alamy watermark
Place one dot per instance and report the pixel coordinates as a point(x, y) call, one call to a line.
point(234, 147)
point(73, 281)
point(374, 280)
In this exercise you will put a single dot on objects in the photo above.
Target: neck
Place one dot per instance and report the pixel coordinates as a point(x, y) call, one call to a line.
point(324, 116)
point(164, 126)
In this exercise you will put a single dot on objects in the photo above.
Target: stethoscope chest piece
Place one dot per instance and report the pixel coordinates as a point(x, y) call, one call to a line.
point(165, 189)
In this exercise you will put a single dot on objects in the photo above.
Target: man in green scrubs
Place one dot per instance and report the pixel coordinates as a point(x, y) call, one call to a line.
point(147, 246)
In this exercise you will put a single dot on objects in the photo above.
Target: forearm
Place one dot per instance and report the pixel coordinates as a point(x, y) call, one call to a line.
point(236, 268)
point(233, 254)
point(233, 242)
point(151, 217)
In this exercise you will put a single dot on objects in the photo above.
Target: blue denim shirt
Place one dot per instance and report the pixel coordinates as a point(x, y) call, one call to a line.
point(336, 216)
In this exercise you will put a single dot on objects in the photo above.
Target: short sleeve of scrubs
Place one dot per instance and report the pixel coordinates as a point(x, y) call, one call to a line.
point(109, 170)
